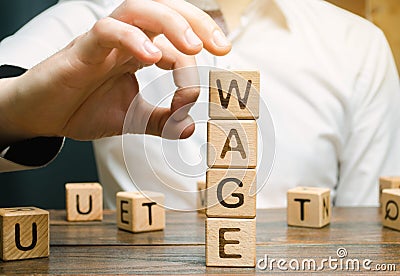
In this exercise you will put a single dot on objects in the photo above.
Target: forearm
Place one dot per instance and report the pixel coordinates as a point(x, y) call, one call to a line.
point(10, 131)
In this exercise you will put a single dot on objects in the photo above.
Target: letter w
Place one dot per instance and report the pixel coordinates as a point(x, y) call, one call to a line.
point(234, 85)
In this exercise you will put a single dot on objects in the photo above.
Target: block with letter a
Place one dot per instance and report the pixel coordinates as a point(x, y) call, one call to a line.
point(232, 144)
point(390, 208)
point(234, 94)
point(230, 242)
point(232, 159)
point(140, 211)
point(84, 201)
point(308, 207)
point(24, 233)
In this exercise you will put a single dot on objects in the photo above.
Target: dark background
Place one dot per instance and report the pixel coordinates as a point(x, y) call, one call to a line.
point(43, 188)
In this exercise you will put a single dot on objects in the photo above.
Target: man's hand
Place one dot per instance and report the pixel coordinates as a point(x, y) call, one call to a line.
point(84, 91)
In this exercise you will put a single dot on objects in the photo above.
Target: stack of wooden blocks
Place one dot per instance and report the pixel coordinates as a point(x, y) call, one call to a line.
point(231, 177)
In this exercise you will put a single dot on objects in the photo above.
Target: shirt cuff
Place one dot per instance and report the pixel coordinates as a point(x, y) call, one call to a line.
point(35, 152)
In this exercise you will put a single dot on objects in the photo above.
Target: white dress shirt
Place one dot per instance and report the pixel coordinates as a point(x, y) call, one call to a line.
point(327, 76)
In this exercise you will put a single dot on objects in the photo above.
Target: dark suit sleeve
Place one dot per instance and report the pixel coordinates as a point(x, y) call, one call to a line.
point(34, 152)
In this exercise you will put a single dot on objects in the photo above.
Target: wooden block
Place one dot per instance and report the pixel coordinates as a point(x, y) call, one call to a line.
point(231, 242)
point(232, 144)
point(388, 182)
point(308, 207)
point(140, 213)
point(24, 233)
point(84, 201)
point(234, 94)
point(390, 208)
point(201, 197)
point(231, 193)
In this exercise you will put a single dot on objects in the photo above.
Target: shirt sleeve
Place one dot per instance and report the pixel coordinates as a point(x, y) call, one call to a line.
point(27, 154)
point(372, 147)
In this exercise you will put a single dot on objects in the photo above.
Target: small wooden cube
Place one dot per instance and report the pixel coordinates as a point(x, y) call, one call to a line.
point(232, 144)
point(24, 233)
point(230, 242)
point(390, 208)
point(308, 207)
point(388, 182)
point(231, 193)
point(201, 197)
point(234, 94)
point(140, 212)
point(84, 201)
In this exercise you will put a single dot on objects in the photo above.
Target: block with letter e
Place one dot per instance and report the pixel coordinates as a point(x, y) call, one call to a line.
point(390, 208)
point(84, 201)
point(388, 182)
point(232, 144)
point(140, 211)
point(308, 207)
point(231, 242)
point(234, 94)
point(24, 233)
point(231, 193)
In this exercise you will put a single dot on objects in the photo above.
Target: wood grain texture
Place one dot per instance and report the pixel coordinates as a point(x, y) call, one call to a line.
point(348, 226)
point(232, 144)
point(308, 207)
point(234, 94)
point(84, 201)
point(24, 233)
point(140, 212)
point(230, 242)
point(185, 260)
point(231, 193)
point(201, 197)
point(388, 182)
point(390, 208)
point(100, 248)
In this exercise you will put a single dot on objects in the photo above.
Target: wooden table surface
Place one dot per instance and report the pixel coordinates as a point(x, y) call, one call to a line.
point(100, 248)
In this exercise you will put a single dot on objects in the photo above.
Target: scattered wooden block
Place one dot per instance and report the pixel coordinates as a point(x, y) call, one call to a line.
point(84, 201)
point(201, 197)
point(389, 182)
point(24, 233)
point(140, 213)
point(234, 94)
point(231, 242)
point(232, 144)
point(308, 207)
point(231, 193)
point(390, 208)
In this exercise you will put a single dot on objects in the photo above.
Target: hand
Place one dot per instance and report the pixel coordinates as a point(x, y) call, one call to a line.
point(83, 91)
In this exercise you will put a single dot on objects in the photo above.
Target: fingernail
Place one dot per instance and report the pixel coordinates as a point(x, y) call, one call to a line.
point(150, 48)
point(220, 39)
point(192, 38)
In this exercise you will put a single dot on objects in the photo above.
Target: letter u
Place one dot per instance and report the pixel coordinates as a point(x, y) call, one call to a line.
point(18, 237)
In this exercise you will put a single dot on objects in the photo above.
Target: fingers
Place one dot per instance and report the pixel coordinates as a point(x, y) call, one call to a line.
point(108, 33)
point(203, 25)
point(143, 117)
point(185, 77)
point(176, 20)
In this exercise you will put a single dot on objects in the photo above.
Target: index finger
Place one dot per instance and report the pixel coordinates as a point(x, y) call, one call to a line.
point(187, 27)
point(203, 25)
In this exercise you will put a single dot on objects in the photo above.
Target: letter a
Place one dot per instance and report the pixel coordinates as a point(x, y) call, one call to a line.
point(227, 146)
